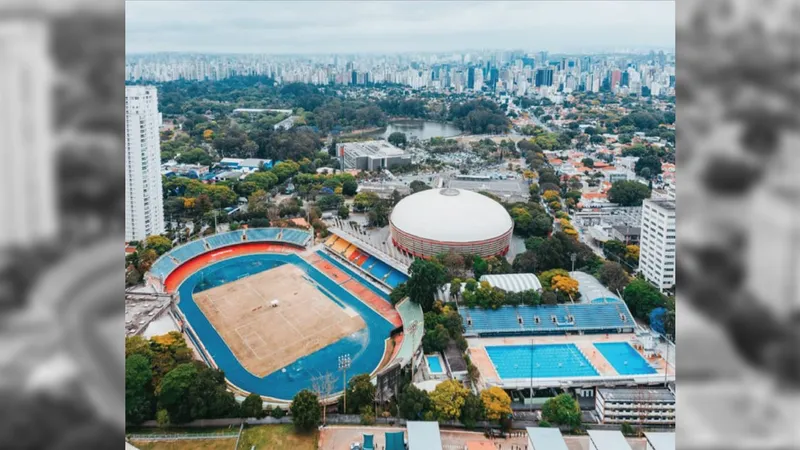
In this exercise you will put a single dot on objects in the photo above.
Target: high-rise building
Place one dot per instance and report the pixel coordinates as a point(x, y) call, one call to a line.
point(26, 96)
point(657, 250)
point(544, 77)
point(144, 207)
point(470, 78)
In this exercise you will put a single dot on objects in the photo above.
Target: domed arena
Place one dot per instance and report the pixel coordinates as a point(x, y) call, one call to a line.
point(438, 221)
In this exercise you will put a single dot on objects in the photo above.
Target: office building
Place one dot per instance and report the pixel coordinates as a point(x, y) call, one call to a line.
point(653, 406)
point(657, 250)
point(144, 207)
point(372, 155)
point(26, 133)
point(544, 77)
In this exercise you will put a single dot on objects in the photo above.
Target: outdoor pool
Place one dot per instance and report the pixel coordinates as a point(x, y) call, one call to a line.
point(540, 361)
point(624, 358)
point(435, 364)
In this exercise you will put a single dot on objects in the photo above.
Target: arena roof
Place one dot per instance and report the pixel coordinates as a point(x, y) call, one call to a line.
point(514, 282)
point(591, 289)
point(451, 215)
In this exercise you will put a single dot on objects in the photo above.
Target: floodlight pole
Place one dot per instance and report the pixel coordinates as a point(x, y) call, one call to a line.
point(344, 364)
point(573, 257)
point(531, 392)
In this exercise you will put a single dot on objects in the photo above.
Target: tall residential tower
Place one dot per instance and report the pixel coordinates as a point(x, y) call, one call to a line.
point(144, 206)
point(657, 249)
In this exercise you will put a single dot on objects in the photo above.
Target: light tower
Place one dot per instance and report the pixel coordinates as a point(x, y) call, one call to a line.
point(344, 364)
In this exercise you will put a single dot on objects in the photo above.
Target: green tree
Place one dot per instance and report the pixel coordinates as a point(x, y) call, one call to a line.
point(159, 244)
point(588, 162)
point(138, 389)
point(174, 393)
point(253, 406)
point(628, 193)
point(397, 138)
point(642, 297)
point(350, 187)
point(360, 393)
point(436, 339)
point(425, 278)
point(613, 276)
point(447, 399)
point(650, 162)
point(413, 403)
point(479, 267)
point(137, 345)
point(472, 412)
point(344, 212)
point(562, 410)
point(306, 410)
point(418, 186)
point(365, 200)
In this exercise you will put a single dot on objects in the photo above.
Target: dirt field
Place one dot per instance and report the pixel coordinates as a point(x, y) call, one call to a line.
point(266, 338)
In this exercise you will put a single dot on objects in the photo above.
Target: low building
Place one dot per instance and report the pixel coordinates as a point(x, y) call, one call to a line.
point(423, 436)
point(626, 234)
point(545, 439)
point(372, 155)
point(607, 440)
point(660, 441)
point(248, 164)
point(636, 406)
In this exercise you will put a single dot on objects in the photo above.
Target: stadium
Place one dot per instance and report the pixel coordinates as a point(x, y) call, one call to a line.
point(274, 314)
point(438, 221)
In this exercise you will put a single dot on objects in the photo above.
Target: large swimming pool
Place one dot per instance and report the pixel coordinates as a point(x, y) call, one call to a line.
point(624, 358)
point(365, 347)
point(540, 361)
point(434, 364)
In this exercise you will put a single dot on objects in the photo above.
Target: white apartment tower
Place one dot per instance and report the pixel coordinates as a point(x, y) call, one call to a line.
point(657, 247)
point(26, 133)
point(144, 206)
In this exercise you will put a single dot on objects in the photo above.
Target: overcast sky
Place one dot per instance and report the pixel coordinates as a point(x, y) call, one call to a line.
point(388, 27)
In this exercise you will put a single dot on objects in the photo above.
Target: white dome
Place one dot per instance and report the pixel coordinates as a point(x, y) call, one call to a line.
point(451, 215)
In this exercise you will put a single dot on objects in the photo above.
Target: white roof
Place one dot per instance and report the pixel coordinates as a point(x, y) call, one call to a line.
point(546, 439)
point(591, 288)
point(514, 282)
point(608, 440)
point(424, 436)
point(661, 441)
point(451, 215)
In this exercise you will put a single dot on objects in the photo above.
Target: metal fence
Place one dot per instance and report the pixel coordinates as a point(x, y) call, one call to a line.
point(183, 436)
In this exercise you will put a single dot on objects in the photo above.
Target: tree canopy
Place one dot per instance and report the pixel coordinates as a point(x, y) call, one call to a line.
point(425, 278)
point(306, 410)
point(447, 399)
point(562, 410)
point(628, 193)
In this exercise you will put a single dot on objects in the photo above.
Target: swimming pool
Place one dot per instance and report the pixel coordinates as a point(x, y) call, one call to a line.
point(365, 346)
point(434, 364)
point(540, 361)
point(624, 358)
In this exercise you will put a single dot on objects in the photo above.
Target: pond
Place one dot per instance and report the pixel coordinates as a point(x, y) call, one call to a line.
point(421, 129)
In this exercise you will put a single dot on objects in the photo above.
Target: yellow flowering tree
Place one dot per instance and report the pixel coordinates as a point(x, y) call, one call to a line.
point(447, 399)
point(496, 403)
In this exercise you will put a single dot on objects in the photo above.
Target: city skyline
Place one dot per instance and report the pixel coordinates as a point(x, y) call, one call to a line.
point(279, 28)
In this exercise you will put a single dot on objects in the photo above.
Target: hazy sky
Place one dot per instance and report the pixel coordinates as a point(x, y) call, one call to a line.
point(387, 27)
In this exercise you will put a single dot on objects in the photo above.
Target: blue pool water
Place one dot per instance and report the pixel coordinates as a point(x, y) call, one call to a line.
point(539, 361)
point(434, 364)
point(365, 346)
point(624, 358)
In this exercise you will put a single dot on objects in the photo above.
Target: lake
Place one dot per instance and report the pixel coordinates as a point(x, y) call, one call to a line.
point(421, 129)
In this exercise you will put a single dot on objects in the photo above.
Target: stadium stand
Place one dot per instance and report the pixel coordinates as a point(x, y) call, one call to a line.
point(380, 269)
point(355, 255)
point(395, 278)
point(547, 319)
point(221, 240)
point(188, 251)
point(331, 240)
point(263, 234)
point(340, 245)
point(368, 263)
point(163, 267)
point(349, 251)
point(297, 237)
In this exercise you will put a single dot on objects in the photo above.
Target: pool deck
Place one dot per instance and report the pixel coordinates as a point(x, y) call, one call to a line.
point(481, 360)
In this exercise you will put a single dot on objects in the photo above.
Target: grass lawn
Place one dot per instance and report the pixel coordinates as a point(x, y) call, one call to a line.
point(188, 444)
point(277, 437)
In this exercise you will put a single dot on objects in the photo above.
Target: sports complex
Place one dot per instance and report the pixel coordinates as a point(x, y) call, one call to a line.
point(274, 314)
point(275, 311)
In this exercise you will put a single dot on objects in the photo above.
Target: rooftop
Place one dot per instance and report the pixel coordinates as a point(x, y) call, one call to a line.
point(661, 441)
point(608, 440)
point(424, 436)
point(545, 439)
point(634, 395)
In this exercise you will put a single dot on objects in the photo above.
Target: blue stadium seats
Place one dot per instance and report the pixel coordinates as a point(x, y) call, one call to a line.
point(188, 251)
point(221, 240)
point(263, 234)
point(298, 237)
point(395, 278)
point(591, 317)
point(380, 269)
point(163, 267)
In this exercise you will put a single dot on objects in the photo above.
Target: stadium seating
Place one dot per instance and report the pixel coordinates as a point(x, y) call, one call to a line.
point(263, 234)
point(349, 251)
point(596, 317)
point(221, 240)
point(340, 245)
point(163, 267)
point(354, 255)
point(367, 265)
point(380, 269)
point(297, 237)
point(188, 251)
point(331, 240)
point(395, 278)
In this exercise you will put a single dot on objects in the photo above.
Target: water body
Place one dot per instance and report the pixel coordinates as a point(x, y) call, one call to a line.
point(420, 129)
